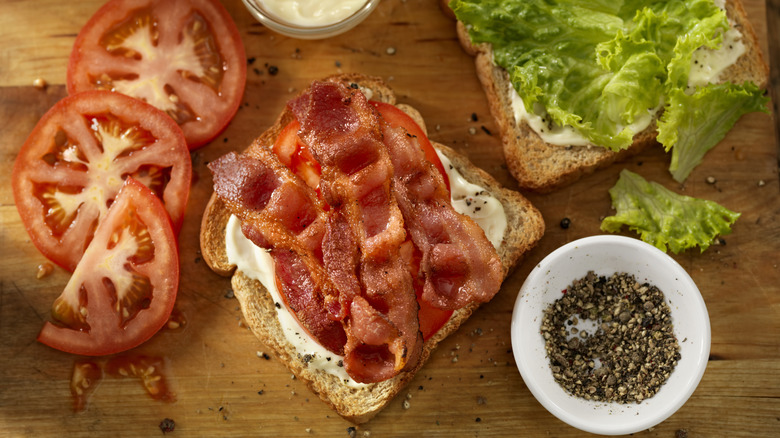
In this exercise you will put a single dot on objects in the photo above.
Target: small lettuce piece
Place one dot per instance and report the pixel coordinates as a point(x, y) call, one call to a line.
point(664, 218)
point(693, 124)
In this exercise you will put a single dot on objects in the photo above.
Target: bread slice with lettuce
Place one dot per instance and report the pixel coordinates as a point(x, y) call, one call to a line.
point(609, 79)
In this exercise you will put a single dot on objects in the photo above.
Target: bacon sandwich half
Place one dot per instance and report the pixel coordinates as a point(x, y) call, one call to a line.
point(353, 247)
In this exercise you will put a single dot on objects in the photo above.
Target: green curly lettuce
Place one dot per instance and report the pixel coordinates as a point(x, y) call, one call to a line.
point(595, 65)
point(664, 218)
point(600, 66)
point(693, 124)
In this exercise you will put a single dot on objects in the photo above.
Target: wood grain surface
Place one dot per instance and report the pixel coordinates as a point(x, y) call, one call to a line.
point(471, 386)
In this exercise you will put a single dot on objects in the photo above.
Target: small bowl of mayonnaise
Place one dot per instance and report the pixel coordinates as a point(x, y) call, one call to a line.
point(310, 19)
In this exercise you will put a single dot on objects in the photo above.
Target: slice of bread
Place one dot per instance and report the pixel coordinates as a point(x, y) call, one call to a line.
point(543, 167)
point(525, 228)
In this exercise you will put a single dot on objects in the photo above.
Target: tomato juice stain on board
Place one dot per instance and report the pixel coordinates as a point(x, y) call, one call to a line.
point(149, 370)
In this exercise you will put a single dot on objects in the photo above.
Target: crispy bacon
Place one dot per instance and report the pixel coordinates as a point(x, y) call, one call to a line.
point(338, 261)
point(459, 264)
point(279, 212)
point(344, 134)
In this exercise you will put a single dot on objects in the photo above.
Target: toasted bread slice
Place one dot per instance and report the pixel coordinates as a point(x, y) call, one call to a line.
point(543, 167)
point(525, 228)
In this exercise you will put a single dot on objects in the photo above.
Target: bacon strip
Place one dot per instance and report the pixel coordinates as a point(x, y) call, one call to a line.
point(459, 264)
point(279, 212)
point(343, 132)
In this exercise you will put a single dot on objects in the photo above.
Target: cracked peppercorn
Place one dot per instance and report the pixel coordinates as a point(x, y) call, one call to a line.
point(610, 339)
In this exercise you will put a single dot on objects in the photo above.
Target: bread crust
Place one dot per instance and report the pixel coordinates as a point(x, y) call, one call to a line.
point(359, 404)
point(542, 167)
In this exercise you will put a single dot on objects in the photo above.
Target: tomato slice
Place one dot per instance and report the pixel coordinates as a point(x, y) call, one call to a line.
point(394, 116)
point(75, 160)
point(185, 57)
point(431, 319)
point(124, 288)
point(295, 154)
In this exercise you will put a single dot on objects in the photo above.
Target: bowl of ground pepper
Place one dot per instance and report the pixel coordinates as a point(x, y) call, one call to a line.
point(610, 334)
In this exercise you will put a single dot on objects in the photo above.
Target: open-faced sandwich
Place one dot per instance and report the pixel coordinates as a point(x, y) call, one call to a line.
point(574, 85)
point(355, 244)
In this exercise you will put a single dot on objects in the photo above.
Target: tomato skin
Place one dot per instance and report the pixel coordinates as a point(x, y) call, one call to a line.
point(209, 103)
point(394, 116)
point(125, 286)
point(294, 154)
point(65, 154)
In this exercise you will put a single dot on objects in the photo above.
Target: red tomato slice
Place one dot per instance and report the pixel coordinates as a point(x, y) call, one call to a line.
point(124, 288)
point(431, 319)
point(294, 154)
point(185, 57)
point(396, 117)
point(73, 163)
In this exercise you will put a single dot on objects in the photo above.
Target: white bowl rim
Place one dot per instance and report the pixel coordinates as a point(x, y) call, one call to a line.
point(309, 32)
point(601, 417)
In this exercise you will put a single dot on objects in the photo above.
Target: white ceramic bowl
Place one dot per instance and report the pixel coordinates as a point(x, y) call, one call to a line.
point(308, 32)
point(606, 255)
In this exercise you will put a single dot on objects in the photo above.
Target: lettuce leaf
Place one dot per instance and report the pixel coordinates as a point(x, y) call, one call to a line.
point(598, 66)
point(693, 124)
point(664, 218)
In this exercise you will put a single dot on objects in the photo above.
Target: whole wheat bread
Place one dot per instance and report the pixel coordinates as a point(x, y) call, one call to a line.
point(525, 228)
point(542, 167)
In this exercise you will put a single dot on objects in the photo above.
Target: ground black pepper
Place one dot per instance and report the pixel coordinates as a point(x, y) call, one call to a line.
point(167, 425)
point(632, 349)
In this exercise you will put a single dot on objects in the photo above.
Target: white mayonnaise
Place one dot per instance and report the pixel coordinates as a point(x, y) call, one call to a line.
point(708, 64)
point(555, 134)
point(256, 263)
point(311, 13)
point(474, 201)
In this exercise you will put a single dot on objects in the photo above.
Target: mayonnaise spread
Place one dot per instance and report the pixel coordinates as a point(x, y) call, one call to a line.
point(255, 262)
point(311, 13)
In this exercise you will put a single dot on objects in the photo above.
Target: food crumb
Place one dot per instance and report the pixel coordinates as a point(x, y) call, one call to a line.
point(44, 270)
point(711, 180)
point(167, 425)
point(351, 432)
point(308, 430)
point(565, 223)
point(761, 183)
point(472, 130)
point(681, 433)
point(390, 50)
point(40, 83)
point(406, 404)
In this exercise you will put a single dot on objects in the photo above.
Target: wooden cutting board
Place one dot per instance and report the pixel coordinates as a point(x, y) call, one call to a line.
point(471, 386)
